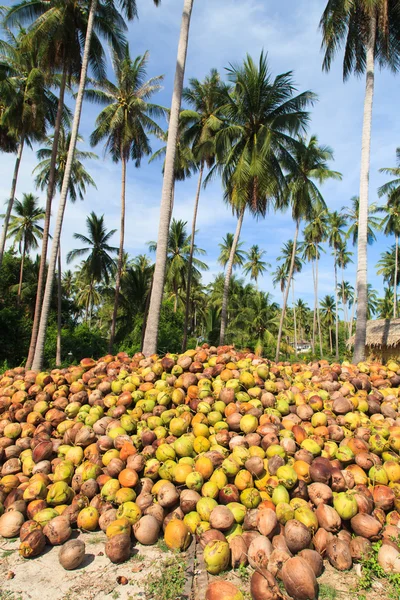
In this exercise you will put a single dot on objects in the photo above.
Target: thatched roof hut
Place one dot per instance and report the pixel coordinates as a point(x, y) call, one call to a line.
point(383, 338)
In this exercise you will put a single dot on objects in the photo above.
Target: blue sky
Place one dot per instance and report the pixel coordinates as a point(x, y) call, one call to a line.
point(222, 33)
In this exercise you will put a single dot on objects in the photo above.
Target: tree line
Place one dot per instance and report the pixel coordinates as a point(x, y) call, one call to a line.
point(251, 131)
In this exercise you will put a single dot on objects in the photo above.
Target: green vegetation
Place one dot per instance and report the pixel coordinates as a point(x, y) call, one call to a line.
point(372, 571)
point(168, 581)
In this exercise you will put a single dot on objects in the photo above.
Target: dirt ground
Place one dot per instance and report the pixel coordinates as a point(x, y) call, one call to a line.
point(43, 578)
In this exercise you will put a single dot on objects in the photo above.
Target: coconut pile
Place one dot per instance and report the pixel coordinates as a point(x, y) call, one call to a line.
point(274, 465)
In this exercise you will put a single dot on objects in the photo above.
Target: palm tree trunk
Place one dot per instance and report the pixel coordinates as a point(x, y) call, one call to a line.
point(352, 315)
point(21, 272)
point(294, 320)
point(318, 315)
point(38, 358)
point(171, 210)
point(120, 253)
point(151, 335)
point(285, 299)
point(190, 261)
point(146, 312)
point(344, 304)
point(396, 268)
point(330, 338)
point(59, 292)
point(361, 323)
point(315, 310)
point(228, 274)
point(46, 226)
point(3, 236)
point(337, 311)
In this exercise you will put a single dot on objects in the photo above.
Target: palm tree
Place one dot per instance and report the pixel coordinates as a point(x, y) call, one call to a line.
point(369, 32)
point(255, 265)
point(80, 178)
point(280, 277)
point(372, 302)
point(310, 164)
point(129, 9)
point(385, 305)
point(387, 266)
point(316, 231)
point(328, 311)
point(226, 249)
point(126, 123)
point(185, 164)
point(200, 126)
point(292, 264)
point(335, 240)
point(179, 243)
point(351, 215)
point(302, 313)
point(153, 318)
point(391, 222)
point(60, 31)
point(88, 294)
point(311, 252)
point(343, 259)
point(25, 229)
point(346, 292)
point(391, 188)
point(253, 149)
point(99, 262)
point(28, 105)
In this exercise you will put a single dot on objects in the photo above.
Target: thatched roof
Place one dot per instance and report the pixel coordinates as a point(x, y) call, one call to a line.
point(382, 332)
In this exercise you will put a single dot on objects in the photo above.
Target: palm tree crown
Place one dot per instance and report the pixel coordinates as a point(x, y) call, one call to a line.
point(255, 265)
point(225, 247)
point(80, 178)
point(127, 119)
point(24, 223)
point(99, 263)
point(351, 214)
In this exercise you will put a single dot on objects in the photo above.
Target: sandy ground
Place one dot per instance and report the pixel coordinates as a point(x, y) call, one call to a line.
point(43, 578)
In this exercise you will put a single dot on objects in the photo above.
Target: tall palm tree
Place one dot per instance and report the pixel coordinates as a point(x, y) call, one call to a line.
point(58, 28)
point(126, 123)
point(351, 215)
point(255, 265)
point(370, 33)
point(292, 264)
point(328, 315)
point(99, 262)
point(336, 234)
point(254, 148)
point(129, 9)
point(226, 249)
point(28, 105)
point(200, 124)
point(25, 229)
point(309, 165)
point(391, 222)
point(316, 231)
point(311, 252)
point(391, 188)
point(179, 243)
point(153, 318)
point(343, 260)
